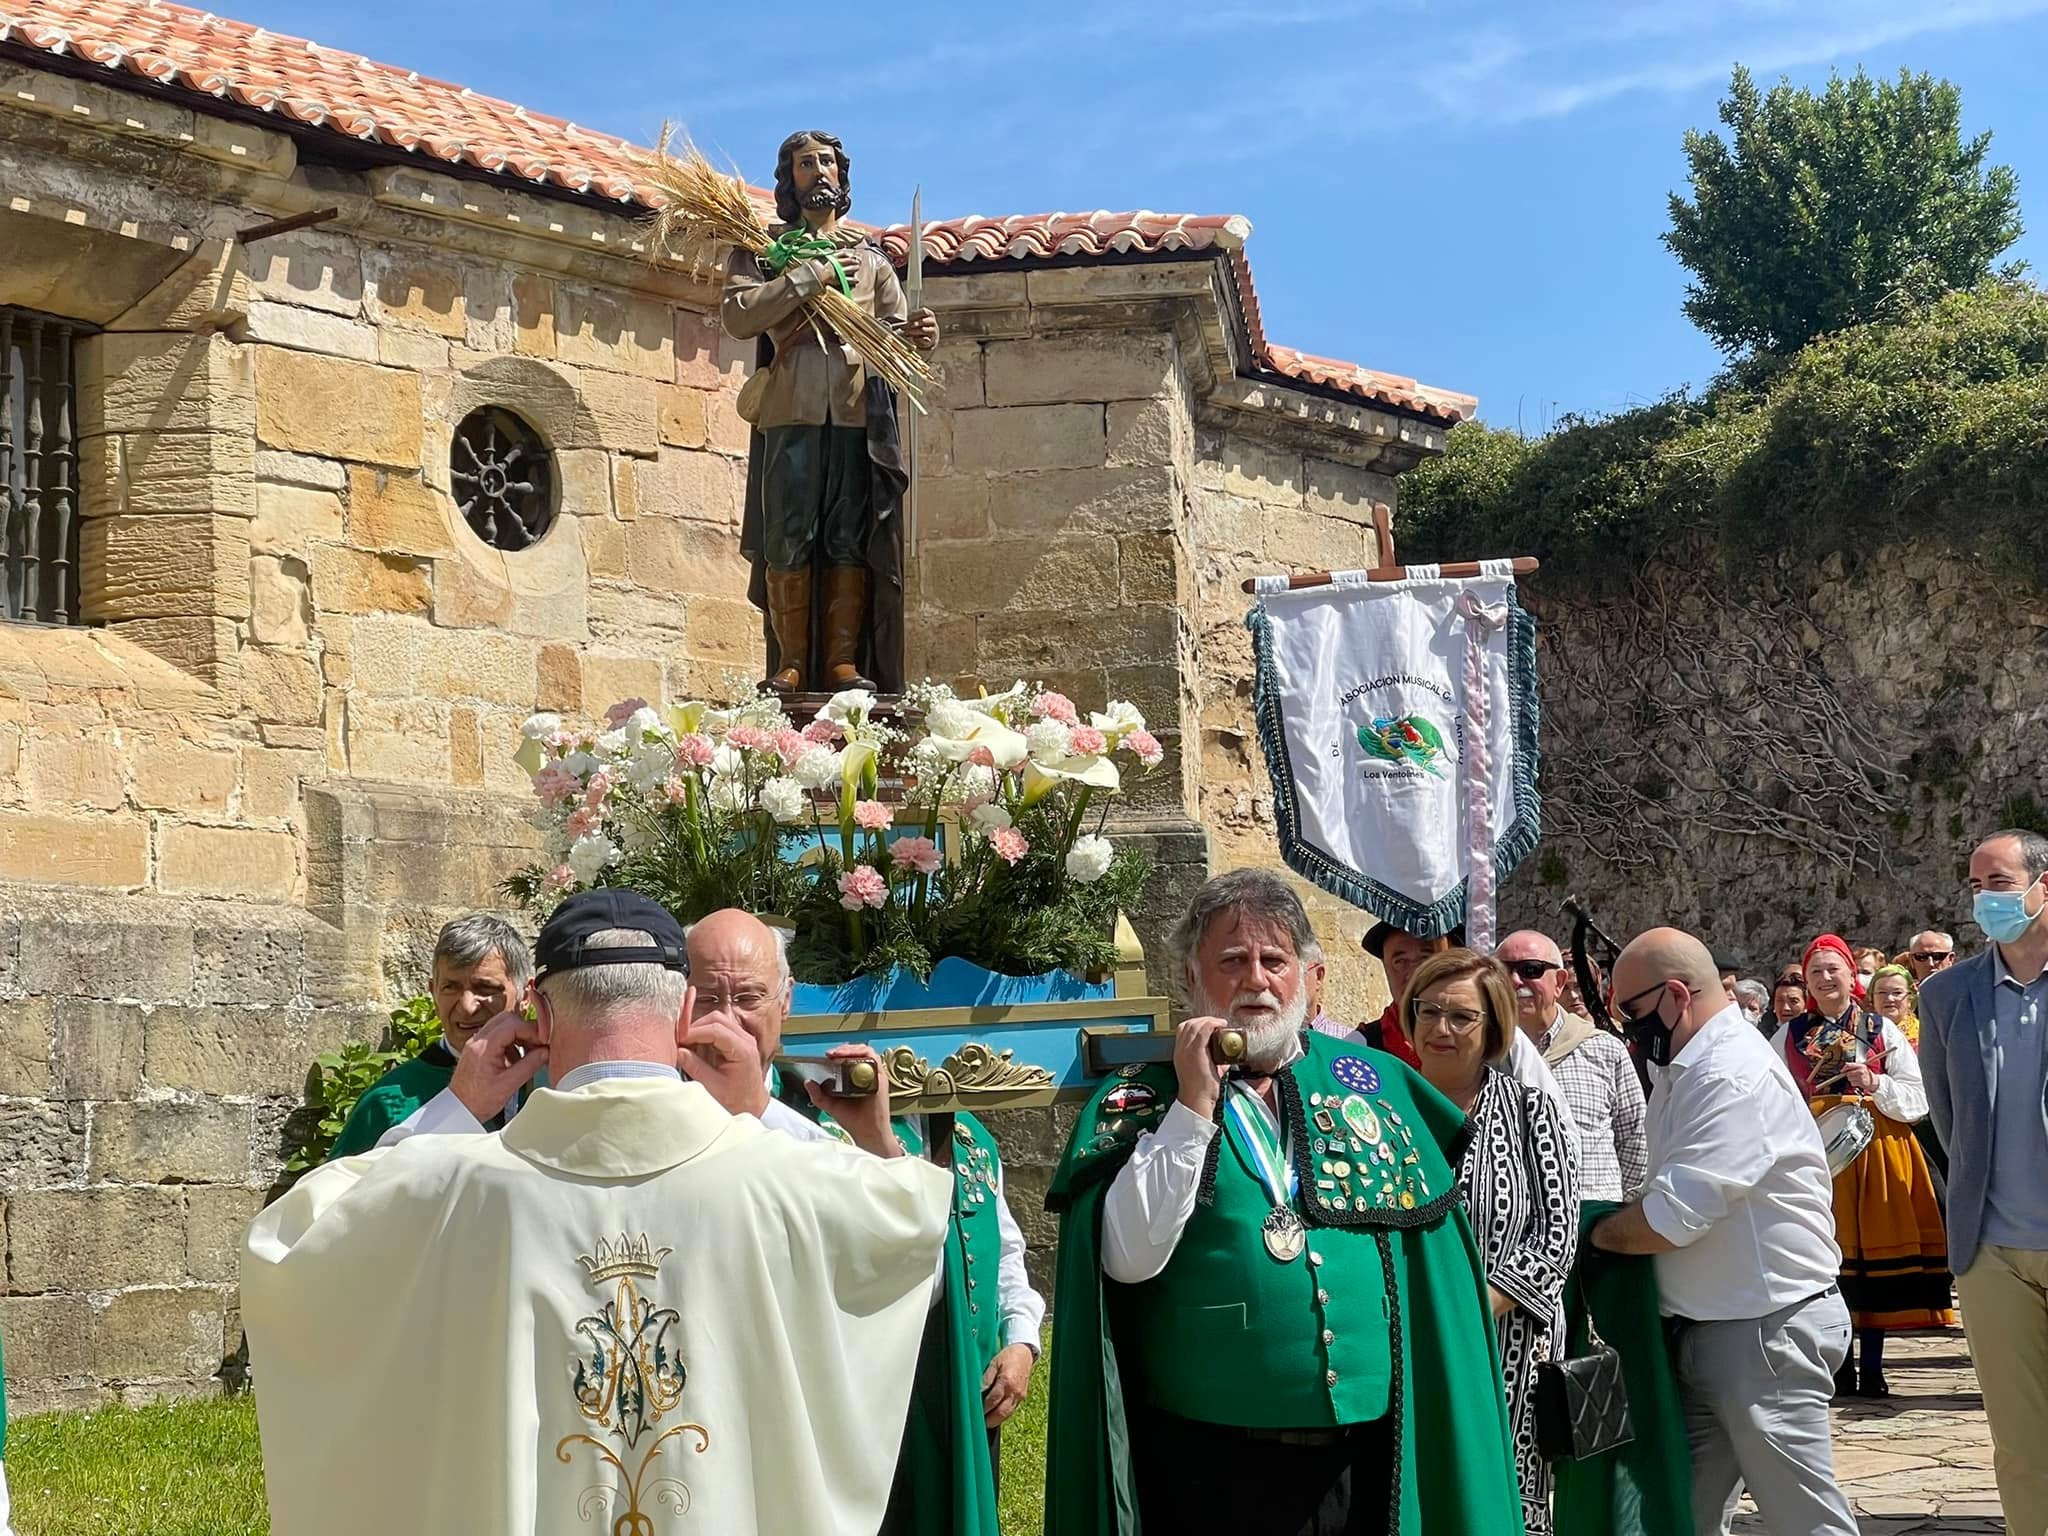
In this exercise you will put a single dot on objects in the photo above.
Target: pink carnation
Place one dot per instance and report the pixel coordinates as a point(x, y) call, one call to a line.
point(791, 745)
point(1086, 741)
point(674, 791)
point(554, 784)
point(584, 821)
point(695, 749)
point(1146, 745)
point(822, 731)
point(862, 886)
point(596, 788)
point(624, 710)
point(560, 741)
point(750, 738)
point(918, 853)
point(1055, 706)
point(873, 815)
point(560, 878)
point(981, 757)
point(1009, 843)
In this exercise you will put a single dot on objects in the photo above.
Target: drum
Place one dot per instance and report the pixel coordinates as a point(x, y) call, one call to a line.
point(1846, 1130)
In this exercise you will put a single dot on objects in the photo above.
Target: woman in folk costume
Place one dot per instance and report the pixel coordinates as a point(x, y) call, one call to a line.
point(1894, 1249)
point(1894, 995)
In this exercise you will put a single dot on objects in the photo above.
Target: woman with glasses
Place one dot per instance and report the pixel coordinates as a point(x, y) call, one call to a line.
point(1519, 1178)
point(1887, 1218)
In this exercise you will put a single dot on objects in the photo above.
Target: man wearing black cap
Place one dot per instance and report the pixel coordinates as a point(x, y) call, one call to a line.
point(627, 1296)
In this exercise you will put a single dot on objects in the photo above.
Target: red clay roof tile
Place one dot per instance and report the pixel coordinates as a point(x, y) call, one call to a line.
point(342, 93)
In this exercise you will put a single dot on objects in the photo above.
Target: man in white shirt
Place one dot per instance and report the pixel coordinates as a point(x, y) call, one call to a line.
point(1740, 1214)
point(628, 1302)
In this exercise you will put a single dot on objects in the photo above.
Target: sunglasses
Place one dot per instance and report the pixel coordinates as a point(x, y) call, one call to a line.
point(1531, 970)
point(1936, 957)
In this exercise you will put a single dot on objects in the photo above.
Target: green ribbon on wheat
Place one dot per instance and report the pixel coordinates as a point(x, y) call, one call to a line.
point(799, 244)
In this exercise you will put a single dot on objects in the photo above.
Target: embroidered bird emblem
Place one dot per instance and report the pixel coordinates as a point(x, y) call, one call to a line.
point(1406, 739)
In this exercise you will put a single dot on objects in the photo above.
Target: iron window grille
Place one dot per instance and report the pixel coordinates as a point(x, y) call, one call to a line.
point(38, 469)
point(503, 477)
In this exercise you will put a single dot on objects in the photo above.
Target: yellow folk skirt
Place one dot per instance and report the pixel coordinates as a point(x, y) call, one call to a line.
point(1888, 1223)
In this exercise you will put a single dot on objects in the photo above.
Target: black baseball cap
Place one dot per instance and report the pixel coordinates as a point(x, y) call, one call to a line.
point(564, 936)
point(1375, 940)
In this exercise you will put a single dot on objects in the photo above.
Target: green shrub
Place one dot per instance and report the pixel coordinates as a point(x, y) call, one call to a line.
point(341, 1077)
point(1933, 427)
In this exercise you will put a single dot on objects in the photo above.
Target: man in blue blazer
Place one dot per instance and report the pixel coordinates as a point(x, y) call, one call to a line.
point(1984, 1054)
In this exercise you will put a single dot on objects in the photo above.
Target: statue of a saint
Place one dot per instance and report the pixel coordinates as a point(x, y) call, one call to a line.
point(823, 527)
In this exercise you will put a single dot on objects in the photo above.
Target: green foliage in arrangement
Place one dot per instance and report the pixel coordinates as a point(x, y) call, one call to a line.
point(1933, 426)
point(1826, 210)
point(344, 1076)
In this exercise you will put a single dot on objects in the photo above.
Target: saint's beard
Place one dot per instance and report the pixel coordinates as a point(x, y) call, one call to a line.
point(821, 197)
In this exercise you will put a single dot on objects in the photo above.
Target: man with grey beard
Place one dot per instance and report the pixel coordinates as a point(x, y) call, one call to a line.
point(1271, 1316)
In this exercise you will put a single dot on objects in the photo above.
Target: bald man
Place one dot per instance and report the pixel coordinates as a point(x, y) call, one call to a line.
point(1594, 1070)
point(1740, 1215)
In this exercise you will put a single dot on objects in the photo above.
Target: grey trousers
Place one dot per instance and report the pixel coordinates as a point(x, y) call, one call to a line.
point(1755, 1393)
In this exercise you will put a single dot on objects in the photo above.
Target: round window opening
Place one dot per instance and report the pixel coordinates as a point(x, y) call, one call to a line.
point(504, 478)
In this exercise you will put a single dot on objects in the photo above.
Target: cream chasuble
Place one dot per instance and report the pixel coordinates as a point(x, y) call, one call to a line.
point(628, 1313)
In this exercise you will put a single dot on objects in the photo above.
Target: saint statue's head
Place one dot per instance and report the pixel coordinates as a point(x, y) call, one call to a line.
point(812, 173)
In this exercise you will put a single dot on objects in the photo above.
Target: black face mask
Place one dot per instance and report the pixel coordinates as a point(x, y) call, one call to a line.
point(1648, 1035)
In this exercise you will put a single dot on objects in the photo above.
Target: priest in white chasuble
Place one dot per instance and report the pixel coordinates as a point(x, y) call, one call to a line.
point(629, 1312)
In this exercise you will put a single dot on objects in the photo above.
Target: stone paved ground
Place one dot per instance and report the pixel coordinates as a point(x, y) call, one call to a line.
point(1920, 1464)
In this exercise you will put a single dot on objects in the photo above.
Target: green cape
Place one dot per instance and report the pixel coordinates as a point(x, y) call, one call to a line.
point(1643, 1488)
point(1455, 1458)
point(945, 1440)
point(390, 1101)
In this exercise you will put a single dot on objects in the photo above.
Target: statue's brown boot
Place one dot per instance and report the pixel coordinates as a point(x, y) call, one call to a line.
point(789, 615)
point(846, 605)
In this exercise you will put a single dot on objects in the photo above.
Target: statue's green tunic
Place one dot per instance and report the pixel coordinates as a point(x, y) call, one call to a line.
point(1392, 1318)
point(945, 1454)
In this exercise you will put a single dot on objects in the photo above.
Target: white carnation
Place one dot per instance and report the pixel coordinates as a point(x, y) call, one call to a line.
point(612, 742)
point(951, 718)
point(641, 721)
point(582, 764)
point(1089, 859)
point(726, 763)
point(540, 727)
point(591, 854)
point(975, 783)
point(728, 795)
point(990, 817)
point(783, 798)
point(1048, 740)
point(819, 769)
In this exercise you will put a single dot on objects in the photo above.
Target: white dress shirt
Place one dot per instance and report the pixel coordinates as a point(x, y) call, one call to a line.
point(1738, 1179)
point(1022, 1307)
point(1152, 1196)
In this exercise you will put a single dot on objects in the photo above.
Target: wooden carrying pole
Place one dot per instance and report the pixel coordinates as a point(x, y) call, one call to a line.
point(1388, 569)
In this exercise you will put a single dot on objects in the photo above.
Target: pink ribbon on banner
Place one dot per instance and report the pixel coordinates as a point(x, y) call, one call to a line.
point(1481, 621)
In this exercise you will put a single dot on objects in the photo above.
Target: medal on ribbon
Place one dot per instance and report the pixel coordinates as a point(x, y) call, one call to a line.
point(1285, 1234)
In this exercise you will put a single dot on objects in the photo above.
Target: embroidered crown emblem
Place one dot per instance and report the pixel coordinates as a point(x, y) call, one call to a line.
point(629, 1257)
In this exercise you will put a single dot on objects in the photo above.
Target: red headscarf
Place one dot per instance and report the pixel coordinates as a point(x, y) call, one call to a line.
point(1795, 1057)
point(1840, 946)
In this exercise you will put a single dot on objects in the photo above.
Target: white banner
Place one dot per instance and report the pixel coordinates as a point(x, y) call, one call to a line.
point(1399, 721)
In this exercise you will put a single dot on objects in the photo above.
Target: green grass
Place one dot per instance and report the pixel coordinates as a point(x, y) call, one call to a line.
point(195, 1469)
point(178, 1469)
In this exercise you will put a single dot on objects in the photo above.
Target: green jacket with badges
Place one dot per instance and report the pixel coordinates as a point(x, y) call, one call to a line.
point(945, 1452)
point(1358, 1294)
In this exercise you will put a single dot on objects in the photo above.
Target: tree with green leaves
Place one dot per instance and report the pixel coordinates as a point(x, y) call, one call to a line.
point(1824, 211)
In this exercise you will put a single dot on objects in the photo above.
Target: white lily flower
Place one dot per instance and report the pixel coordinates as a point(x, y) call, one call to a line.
point(1091, 772)
point(849, 707)
point(990, 817)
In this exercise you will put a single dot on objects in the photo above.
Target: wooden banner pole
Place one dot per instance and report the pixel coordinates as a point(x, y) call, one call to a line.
point(1524, 565)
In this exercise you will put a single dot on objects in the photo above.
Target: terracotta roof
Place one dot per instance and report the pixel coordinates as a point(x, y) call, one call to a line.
point(324, 88)
point(1047, 236)
point(330, 91)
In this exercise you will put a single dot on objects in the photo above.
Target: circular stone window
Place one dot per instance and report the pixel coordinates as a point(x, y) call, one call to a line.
point(504, 478)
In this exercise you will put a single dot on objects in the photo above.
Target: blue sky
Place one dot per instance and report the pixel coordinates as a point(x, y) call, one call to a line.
point(1468, 193)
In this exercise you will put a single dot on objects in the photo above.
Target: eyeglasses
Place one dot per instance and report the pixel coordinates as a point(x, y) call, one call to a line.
point(1532, 970)
point(1461, 1021)
point(1935, 956)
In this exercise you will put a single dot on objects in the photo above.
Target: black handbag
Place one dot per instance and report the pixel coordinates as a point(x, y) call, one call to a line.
point(1581, 1405)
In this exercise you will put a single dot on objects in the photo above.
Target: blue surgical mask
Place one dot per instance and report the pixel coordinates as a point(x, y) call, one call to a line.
point(2003, 915)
